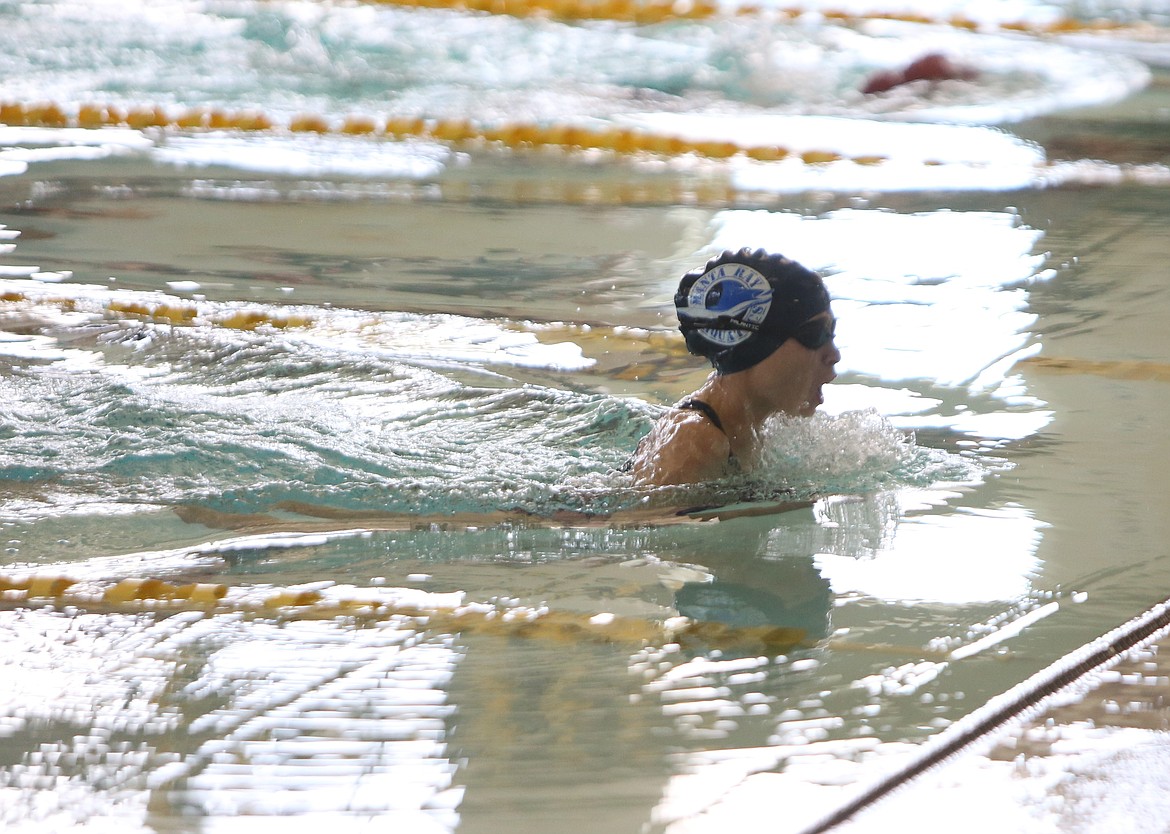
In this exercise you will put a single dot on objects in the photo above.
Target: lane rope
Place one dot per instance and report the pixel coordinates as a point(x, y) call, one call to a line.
point(435, 613)
point(172, 311)
point(643, 12)
point(458, 132)
point(1016, 705)
point(526, 137)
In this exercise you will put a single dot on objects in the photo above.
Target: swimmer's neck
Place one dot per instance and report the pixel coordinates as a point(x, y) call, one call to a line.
point(740, 410)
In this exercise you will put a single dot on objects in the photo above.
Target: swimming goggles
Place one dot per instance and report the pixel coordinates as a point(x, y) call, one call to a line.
point(816, 333)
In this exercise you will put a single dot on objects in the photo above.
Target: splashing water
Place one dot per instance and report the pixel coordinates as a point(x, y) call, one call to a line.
point(855, 453)
point(337, 412)
point(851, 452)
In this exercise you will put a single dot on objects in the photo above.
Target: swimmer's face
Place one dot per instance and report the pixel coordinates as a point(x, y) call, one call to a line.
point(795, 375)
point(823, 359)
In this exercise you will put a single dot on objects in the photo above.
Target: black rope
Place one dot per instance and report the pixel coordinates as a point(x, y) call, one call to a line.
point(1016, 702)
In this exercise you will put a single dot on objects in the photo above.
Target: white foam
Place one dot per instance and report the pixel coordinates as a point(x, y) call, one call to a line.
point(11, 166)
point(900, 142)
point(74, 137)
point(307, 155)
point(422, 339)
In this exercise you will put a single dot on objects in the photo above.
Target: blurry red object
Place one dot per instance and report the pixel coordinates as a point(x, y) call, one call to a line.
point(932, 67)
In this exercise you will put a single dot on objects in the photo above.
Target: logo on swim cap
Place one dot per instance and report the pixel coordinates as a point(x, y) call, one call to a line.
point(734, 298)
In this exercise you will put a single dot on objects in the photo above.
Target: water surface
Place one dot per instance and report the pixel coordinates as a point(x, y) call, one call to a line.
point(377, 393)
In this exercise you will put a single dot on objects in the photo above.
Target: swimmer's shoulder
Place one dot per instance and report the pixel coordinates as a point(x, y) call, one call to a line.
point(684, 447)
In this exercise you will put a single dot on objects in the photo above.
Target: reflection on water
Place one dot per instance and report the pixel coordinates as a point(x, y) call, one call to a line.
point(361, 404)
point(261, 741)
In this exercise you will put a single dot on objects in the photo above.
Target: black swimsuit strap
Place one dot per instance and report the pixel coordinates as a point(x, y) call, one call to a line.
point(707, 411)
point(704, 409)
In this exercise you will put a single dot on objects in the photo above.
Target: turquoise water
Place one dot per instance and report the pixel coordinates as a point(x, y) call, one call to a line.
point(399, 378)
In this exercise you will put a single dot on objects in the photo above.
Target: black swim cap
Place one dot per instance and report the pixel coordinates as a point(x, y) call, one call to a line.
point(743, 305)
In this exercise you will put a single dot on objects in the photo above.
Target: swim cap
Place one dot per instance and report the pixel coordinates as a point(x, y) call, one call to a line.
point(743, 305)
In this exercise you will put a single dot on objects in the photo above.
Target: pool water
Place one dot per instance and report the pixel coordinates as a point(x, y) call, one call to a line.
point(325, 429)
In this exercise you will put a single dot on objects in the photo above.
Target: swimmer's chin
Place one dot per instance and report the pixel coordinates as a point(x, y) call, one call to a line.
point(809, 407)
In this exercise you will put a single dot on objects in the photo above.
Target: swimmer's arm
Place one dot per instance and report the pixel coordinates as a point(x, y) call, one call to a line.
point(686, 451)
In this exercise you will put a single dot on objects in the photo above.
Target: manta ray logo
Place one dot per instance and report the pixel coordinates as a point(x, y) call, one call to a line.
point(727, 294)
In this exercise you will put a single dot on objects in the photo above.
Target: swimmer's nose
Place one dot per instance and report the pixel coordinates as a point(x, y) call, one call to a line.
point(833, 356)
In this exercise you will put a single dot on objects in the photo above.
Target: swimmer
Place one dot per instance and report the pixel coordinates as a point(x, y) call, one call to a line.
point(764, 323)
